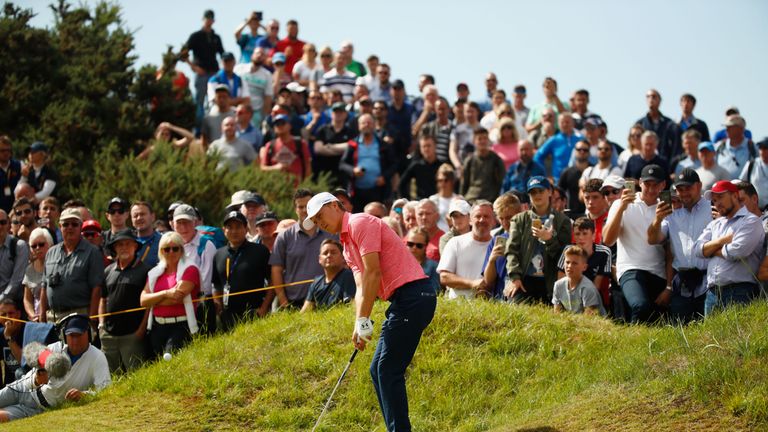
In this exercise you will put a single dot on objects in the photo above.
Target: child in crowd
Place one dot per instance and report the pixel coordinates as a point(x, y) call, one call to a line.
point(574, 292)
point(598, 269)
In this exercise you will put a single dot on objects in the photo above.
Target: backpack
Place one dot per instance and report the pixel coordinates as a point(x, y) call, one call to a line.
point(211, 234)
point(750, 146)
point(298, 152)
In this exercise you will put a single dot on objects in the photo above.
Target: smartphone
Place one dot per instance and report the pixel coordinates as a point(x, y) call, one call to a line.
point(666, 196)
point(501, 241)
point(257, 15)
point(630, 184)
point(536, 223)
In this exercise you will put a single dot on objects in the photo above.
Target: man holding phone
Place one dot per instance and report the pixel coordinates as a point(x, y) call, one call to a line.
point(640, 267)
point(687, 288)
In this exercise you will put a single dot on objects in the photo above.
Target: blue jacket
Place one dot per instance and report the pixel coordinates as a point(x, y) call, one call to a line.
point(560, 147)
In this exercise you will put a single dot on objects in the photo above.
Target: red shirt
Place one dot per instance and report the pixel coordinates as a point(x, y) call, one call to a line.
point(362, 234)
point(433, 247)
point(599, 223)
point(293, 50)
point(168, 281)
point(286, 152)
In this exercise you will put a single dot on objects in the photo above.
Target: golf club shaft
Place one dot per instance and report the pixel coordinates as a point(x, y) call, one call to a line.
point(328, 403)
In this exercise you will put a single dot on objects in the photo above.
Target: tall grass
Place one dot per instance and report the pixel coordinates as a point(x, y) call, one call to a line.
point(481, 366)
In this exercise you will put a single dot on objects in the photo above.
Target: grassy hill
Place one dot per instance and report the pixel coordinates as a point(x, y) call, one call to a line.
point(480, 367)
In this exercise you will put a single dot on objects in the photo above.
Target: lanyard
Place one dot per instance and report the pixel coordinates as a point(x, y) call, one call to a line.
point(234, 263)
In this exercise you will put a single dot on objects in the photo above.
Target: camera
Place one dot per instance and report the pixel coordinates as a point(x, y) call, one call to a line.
point(54, 280)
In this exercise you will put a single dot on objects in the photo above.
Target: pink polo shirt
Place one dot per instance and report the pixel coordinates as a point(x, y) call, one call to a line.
point(362, 234)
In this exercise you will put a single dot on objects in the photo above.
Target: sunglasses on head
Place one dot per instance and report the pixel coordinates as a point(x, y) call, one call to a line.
point(171, 249)
point(417, 245)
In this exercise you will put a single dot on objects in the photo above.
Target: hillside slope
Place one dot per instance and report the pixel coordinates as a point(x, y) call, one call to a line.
point(481, 366)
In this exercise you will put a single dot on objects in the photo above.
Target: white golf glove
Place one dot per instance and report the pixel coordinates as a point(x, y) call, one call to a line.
point(364, 328)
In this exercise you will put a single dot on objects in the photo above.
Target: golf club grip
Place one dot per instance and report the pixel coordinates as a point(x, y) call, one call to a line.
point(354, 353)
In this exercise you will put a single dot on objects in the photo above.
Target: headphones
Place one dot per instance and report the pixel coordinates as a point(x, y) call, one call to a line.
point(61, 325)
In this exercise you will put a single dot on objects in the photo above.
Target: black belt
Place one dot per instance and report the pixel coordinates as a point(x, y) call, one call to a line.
point(41, 398)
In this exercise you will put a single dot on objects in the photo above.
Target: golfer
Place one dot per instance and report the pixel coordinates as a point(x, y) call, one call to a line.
point(382, 266)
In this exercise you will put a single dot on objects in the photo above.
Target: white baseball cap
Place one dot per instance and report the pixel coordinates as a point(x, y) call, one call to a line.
point(459, 205)
point(314, 205)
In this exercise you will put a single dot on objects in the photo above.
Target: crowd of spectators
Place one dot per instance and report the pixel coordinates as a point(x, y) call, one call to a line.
point(495, 200)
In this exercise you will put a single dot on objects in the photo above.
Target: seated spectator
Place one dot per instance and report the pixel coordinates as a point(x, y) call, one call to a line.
point(536, 240)
point(239, 266)
point(421, 172)
point(233, 152)
point(171, 287)
point(648, 156)
point(461, 266)
point(495, 265)
point(20, 398)
point(574, 292)
point(123, 335)
point(417, 239)
point(446, 193)
point(483, 172)
point(284, 153)
point(40, 241)
point(710, 172)
point(598, 269)
point(519, 173)
point(14, 257)
point(560, 146)
point(336, 284)
point(458, 216)
point(426, 216)
point(37, 173)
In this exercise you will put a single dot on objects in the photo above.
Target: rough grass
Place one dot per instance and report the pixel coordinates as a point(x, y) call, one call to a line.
point(480, 367)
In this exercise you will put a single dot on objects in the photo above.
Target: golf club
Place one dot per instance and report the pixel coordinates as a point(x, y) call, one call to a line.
point(328, 403)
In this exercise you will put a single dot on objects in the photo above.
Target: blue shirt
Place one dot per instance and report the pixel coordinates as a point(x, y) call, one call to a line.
point(723, 134)
point(248, 43)
point(148, 251)
point(742, 257)
point(560, 148)
point(733, 159)
point(518, 175)
point(497, 290)
point(759, 179)
point(687, 163)
point(325, 118)
point(683, 228)
point(368, 159)
point(252, 135)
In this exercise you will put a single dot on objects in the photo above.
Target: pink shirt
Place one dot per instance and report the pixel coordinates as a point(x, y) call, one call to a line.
point(168, 281)
point(362, 234)
point(508, 153)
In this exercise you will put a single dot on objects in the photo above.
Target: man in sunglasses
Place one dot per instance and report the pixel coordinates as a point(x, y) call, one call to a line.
point(117, 215)
point(14, 257)
point(25, 213)
point(74, 270)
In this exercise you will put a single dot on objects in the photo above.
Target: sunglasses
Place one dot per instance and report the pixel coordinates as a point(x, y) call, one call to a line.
point(91, 234)
point(611, 192)
point(603, 149)
point(22, 212)
point(635, 135)
point(582, 150)
point(70, 224)
point(37, 245)
point(506, 113)
point(416, 245)
point(171, 249)
point(4, 222)
point(118, 210)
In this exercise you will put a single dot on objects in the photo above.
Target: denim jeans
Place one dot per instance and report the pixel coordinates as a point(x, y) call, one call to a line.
point(640, 289)
point(201, 92)
point(723, 296)
point(410, 312)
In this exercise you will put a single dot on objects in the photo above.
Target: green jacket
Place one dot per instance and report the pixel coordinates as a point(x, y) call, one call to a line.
point(520, 246)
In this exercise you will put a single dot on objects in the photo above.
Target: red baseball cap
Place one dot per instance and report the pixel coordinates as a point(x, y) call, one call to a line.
point(722, 186)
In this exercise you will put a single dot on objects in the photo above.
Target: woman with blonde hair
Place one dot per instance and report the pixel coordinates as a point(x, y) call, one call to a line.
point(40, 240)
point(633, 145)
point(506, 146)
point(171, 288)
point(307, 67)
point(325, 65)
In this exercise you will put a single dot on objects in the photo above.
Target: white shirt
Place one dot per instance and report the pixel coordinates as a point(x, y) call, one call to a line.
point(204, 263)
point(463, 256)
point(443, 204)
point(89, 371)
point(257, 84)
point(595, 172)
point(633, 250)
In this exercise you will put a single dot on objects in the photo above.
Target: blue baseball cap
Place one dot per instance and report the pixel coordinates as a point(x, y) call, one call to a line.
point(707, 145)
point(278, 57)
point(538, 182)
point(280, 117)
